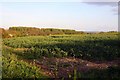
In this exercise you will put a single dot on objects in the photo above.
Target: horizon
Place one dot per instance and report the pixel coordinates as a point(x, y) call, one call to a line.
point(56, 28)
point(79, 16)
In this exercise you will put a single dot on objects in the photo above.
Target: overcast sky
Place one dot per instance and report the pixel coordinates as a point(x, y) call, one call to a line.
point(85, 16)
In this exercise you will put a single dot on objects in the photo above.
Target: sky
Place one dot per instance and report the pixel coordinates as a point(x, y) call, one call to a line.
point(80, 16)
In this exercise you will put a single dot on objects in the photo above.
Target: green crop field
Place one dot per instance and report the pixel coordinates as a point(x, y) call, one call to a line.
point(90, 47)
point(57, 40)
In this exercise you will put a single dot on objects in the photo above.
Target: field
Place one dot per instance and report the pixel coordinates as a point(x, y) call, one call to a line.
point(62, 56)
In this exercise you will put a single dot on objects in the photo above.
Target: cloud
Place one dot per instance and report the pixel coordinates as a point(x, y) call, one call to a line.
point(100, 0)
point(59, 0)
point(112, 4)
point(115, 10)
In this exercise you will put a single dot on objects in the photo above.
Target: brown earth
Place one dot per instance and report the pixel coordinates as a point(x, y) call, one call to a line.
point(62, 67)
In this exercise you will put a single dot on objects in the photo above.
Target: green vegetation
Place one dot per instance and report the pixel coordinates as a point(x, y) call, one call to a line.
point(85, 46)
point(32, 31)
point(109, 73)
point(14, 68)
point(32, 44)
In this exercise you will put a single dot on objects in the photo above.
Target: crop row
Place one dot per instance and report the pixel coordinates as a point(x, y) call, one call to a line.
point(90, 46)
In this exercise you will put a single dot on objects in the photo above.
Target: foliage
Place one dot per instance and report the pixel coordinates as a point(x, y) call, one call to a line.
point(14, 68)
point(108, 73)
point(85, 46)
point(32, 31)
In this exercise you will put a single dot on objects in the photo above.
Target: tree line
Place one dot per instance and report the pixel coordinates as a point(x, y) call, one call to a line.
point(32, 31)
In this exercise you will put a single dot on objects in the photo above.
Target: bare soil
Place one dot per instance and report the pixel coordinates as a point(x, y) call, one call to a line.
point(62, 67)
